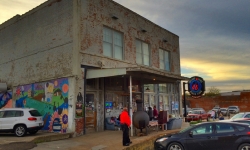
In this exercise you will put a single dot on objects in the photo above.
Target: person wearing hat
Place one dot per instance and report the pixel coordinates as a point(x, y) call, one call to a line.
point(125, 122)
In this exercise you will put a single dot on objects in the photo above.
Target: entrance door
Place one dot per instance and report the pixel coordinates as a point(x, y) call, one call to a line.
point(90, 109)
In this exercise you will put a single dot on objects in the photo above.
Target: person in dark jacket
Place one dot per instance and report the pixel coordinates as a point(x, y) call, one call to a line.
point(150, 113)
point(125, 122)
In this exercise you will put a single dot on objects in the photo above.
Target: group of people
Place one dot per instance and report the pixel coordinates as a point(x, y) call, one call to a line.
point(152, 113)
point(125, 123)
point(217, 114)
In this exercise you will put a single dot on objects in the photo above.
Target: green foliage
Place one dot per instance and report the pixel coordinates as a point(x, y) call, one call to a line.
point(212, 91)
point(195, 122)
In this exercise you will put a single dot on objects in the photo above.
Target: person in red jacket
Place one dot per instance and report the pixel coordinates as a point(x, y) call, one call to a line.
point(155, 113)
point(125, 122)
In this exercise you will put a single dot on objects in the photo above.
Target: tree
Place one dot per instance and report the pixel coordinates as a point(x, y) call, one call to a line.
point(212, 91)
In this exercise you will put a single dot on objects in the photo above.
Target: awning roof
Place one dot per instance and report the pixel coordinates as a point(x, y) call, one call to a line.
point(148, 75)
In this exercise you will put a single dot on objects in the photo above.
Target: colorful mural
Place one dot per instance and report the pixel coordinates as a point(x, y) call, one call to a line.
point(6, 100)
point(50, 99)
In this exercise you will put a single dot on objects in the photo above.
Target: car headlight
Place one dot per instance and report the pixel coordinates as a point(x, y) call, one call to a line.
point(162, 139)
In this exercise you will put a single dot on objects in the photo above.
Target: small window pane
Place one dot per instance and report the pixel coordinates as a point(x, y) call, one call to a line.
point(223, 128)
point(19, 113)
point(240, 128)
point(138, 47)
point(118, 52)
point(34, 113)
point(145, 49)
point(107, 49)
point(146, 60)
point(1, 114)
point(138, 58)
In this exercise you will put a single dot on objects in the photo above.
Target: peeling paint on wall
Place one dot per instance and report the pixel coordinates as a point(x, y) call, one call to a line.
point(50, 99)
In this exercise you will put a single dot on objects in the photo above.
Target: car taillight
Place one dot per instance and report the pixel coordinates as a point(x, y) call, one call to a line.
point(32, 119)
point(248, 133)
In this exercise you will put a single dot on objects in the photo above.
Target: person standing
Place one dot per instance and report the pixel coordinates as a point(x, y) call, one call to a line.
point(125, 125)
point(150, 113)
point(155, 113)
point(218, 113)
point(213, 114)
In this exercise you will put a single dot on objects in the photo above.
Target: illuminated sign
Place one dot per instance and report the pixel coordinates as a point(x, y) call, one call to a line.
point(196, 86)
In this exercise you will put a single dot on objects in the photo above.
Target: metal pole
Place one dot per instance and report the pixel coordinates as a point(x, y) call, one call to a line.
point(130, 104)
point(184, 99)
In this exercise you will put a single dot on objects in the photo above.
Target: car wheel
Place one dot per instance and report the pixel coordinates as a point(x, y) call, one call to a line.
point(20, 130)
point(244, 146)
point(33, 132)
point(175, 146)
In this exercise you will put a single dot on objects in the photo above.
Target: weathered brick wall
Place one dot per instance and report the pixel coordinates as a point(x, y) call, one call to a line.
point(79, 122)
point(97, 13)
point(37, 45)
point(243, 101)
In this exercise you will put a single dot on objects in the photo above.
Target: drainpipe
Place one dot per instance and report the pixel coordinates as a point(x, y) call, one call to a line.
point(130, 104)
point(84, 99)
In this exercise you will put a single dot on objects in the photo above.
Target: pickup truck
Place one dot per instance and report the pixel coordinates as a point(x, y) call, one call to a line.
point(198, 115)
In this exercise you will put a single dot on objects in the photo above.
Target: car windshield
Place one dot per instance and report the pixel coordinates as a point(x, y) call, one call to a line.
point(232, 108)
point(34, 113)
point(239, 115)
point(196, 112)
point(223, 109)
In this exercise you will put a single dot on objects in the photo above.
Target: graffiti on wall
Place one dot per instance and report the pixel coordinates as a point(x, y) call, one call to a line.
point(50, 99)
point(6, 100)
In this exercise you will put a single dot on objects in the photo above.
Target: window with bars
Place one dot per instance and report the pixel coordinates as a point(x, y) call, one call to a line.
point(112, 43)
point(142, 53)
point(164, 57)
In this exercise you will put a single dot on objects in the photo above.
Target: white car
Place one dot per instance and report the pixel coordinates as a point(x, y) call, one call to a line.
point(20, 121)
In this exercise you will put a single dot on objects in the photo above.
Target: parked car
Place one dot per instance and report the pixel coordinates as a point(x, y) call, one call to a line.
point(216, 108)
point(207, 136)
point(224, 111)
point(198, 109)
point(20, 121)
point(233, 109)
point(198, 115)
point(187, 110)
point(241, 115)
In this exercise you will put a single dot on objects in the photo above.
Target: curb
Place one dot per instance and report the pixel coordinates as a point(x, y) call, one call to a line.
point(148, 144)
point(48, 138)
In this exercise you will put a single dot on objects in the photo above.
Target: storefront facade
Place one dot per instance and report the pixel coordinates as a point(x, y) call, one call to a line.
point(87, 61)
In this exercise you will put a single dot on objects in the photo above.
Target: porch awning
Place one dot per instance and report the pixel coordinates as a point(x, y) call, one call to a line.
point(147, 74)
point(98, 73)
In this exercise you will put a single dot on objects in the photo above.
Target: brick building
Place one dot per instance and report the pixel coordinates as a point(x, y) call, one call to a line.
point(83, 60)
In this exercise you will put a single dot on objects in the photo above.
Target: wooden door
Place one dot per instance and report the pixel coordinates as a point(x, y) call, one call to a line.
point(90, 111)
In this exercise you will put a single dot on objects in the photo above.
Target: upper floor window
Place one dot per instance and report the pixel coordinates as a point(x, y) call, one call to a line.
point(112, 43)
point(164, 59)
point(142, 53)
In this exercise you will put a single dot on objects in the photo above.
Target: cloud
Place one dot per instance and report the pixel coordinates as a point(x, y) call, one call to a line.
point(10, 8)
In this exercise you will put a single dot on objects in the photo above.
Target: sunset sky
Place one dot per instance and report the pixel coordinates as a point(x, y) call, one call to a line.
point(214, 35)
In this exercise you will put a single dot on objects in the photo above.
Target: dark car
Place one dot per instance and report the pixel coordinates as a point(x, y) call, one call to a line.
point(207, 136)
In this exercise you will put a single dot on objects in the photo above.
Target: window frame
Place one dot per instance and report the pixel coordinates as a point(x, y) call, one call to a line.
point(113, 42)
point(142, 53)
point(164, 59)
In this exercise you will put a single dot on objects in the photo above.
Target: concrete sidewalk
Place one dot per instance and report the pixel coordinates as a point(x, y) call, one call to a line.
point(106, 140)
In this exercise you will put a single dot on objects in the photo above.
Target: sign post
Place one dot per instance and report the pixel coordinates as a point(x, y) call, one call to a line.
point(196, 87)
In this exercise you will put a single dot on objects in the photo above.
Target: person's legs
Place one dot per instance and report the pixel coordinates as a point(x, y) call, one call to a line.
point(125, 136)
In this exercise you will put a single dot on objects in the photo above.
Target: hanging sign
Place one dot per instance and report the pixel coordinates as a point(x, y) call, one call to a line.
point(196, 86)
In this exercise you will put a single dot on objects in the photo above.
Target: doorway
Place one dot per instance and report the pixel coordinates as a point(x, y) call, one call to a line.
point(90, 111)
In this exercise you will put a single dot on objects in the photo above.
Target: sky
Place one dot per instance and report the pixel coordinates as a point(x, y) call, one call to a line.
point(214, 35)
